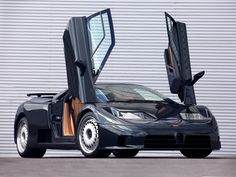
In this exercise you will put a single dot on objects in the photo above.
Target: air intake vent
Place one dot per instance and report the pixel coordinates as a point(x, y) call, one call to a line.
point(160, 141)
point(197, 142)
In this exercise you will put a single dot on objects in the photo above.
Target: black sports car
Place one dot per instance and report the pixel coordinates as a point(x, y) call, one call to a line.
point(115, 117)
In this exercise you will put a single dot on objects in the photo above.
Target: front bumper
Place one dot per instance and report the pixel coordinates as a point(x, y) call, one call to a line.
point(159, 137)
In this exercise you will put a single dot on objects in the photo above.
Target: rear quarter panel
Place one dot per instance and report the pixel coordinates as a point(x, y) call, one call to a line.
point(37, 116)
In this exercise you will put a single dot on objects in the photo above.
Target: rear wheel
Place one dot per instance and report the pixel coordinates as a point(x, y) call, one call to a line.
point(22, 142)
point(88, 137)
point(127, 153)
point(196, 153)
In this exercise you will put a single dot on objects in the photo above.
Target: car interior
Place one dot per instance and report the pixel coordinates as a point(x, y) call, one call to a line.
point(71, 109)
point(65, 119)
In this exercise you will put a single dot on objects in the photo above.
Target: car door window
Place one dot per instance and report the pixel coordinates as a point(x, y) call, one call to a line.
point(101, 38)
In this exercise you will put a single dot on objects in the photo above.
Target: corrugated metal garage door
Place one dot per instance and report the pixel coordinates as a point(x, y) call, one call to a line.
point(31, 52)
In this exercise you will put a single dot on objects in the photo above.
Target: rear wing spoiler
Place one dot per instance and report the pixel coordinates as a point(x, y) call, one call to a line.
point(41, 94)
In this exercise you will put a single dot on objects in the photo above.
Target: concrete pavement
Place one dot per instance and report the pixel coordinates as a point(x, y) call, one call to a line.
point(141, 166)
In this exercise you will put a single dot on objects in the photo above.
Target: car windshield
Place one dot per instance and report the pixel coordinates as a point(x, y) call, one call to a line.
point(126, 92)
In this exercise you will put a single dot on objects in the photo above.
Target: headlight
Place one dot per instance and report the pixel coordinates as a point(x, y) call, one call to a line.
point(193, 116)
point(131, 114)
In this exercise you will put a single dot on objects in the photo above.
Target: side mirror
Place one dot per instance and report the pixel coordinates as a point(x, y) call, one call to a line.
point(82, 67)
point(197, 76)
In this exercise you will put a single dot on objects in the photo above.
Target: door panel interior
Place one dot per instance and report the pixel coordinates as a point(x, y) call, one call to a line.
point(71, 69)
point(178, 61)
point(68, 125)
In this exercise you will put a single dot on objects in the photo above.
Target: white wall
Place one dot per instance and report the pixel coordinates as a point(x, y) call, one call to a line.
point(31, 52)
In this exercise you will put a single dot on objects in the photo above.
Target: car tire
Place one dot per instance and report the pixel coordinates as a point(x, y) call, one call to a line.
point(189, 153)
point(88, 137)
point(22, 141)
point(129, 153)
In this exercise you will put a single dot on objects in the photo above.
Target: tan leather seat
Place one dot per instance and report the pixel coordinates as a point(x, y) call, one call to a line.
point(68, 124)
point(77, 106)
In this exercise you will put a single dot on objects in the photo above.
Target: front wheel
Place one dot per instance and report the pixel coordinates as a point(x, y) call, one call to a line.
point(88, 137)
point(22, 143)
point(129, 153)
point(189, 153)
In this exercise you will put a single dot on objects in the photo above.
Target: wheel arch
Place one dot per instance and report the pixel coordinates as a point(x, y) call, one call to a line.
point(82, 113)
point(18, 118)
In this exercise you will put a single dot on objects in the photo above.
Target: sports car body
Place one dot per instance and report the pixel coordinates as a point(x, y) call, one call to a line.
point(118, 118)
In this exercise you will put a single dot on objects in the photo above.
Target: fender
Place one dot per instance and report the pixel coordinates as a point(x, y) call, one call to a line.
point(94, 109)
point(36, 115)
point(86, 109)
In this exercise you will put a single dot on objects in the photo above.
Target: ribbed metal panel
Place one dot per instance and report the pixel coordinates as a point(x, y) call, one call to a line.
point(31, 53)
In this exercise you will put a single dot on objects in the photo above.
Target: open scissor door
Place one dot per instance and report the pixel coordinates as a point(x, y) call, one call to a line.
point(178, 64)
point(88, 41)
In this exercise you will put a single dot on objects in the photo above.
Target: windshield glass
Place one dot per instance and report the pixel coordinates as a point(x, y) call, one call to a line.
point(126, 92)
